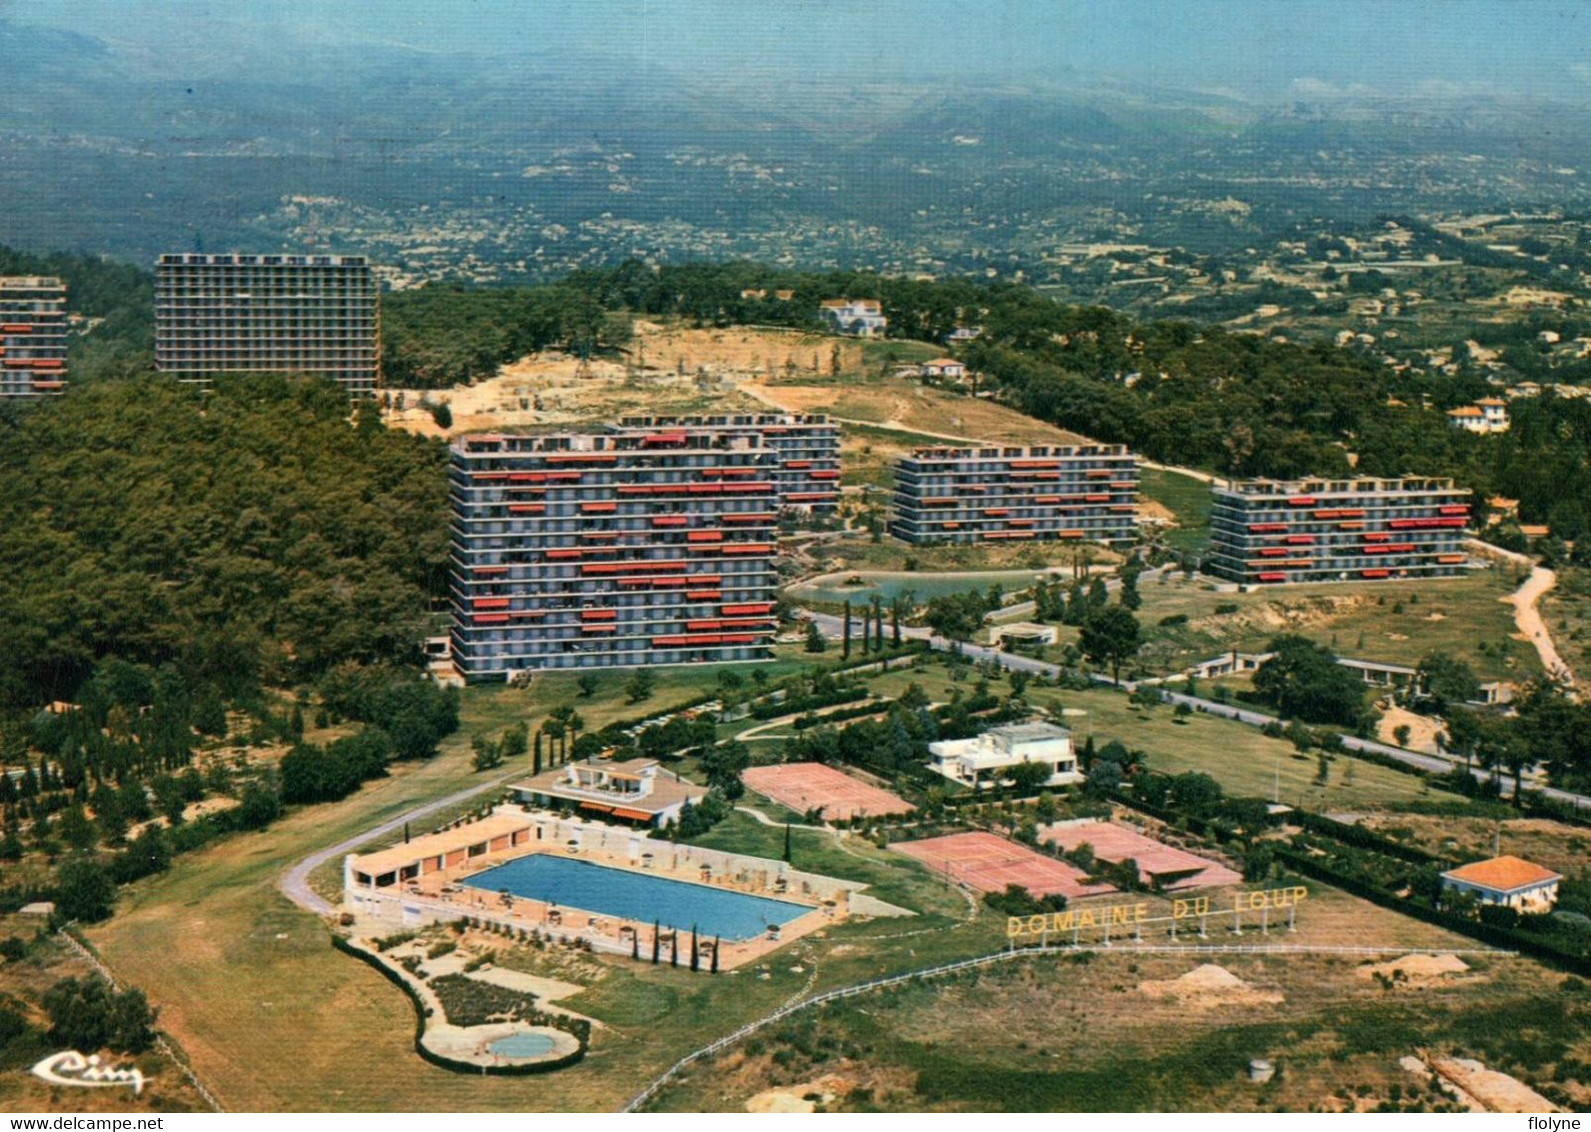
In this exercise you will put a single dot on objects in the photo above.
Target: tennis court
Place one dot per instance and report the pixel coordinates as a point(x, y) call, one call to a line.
point(989, 863)
point(803, 787)
point(1176, 870)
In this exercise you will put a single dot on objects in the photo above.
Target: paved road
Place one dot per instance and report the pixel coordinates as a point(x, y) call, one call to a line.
point(294, 883)
point(832, 627)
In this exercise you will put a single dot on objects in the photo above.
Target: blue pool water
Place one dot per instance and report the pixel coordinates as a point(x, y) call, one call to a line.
point(522, 1045)
point(637, 896)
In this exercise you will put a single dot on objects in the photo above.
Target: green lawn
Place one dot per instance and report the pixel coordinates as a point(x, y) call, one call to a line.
point(1241, 758)
point(273, 1019)
point(1186, 497)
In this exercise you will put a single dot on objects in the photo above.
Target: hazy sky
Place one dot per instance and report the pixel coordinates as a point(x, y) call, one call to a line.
point(1274, 47)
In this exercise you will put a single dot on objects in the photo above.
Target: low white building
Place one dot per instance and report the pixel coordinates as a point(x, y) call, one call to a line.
point(943, 367)
point(1020, 634)
point(982, 761)
point(858, 318)
point(1512, 882)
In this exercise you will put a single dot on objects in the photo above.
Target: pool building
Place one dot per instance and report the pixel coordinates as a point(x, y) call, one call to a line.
point(636, 791)
point(613, 889)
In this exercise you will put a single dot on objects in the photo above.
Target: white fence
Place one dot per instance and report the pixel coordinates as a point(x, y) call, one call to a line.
point(646, 1094)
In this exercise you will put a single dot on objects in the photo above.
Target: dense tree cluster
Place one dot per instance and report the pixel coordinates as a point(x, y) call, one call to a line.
point(250, 535)
point(1304, 680)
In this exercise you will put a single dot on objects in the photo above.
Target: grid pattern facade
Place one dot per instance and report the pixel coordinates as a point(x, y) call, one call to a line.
point(807, 445)
point(220, 314)
point(577, 551)
point(1087, 492)
point(1265, 532)
point(32, 336)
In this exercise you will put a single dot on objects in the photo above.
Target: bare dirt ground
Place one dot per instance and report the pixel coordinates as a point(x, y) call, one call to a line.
point(1423, 729)
point(1496, 1091)
point(906, 405)
point(1208, 987)
point(1527, 615)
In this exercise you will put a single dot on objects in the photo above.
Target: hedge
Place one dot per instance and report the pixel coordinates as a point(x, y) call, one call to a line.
point(1361, 838)
point(1486, 933)
point(436, 1059)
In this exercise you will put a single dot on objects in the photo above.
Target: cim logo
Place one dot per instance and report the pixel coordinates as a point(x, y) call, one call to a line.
point(71, 1068)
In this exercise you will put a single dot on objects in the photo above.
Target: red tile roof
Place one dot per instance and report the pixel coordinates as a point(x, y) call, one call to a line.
point(1503, 874)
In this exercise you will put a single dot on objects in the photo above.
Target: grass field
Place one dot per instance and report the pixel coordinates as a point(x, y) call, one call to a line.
point(859, 552)
point(1057, 1033)
point(272, 1018)
point(1187, 498)
point(1241, 758)
point(1396, 623)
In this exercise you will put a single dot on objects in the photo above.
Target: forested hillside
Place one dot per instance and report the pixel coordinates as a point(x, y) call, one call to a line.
point(253, 535)
point(1238, 404)
point(115, 334)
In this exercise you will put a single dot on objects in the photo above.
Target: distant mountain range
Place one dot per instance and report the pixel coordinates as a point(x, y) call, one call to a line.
point(553, 159)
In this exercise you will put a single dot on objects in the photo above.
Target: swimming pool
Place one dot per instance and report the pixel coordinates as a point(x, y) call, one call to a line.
point(637, 896)
point(522, 1047)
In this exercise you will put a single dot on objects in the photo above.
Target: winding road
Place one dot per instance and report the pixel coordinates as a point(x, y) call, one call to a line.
point(1527, 615)
point(295, 881)
point(831, 626)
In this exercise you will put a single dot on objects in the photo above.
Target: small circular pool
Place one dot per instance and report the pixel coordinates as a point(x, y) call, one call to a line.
point(522, 1047)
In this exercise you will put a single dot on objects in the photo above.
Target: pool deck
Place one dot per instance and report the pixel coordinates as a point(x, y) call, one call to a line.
point(443, 895)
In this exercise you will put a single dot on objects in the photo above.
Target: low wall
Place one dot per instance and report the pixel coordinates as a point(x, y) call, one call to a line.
point(422, 1012)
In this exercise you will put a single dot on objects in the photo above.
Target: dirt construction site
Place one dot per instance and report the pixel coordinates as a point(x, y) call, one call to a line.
point(677, 370)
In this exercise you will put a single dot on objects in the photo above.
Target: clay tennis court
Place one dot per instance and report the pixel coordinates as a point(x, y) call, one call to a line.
point(989, 863)
point(804, 786)
point(1177, 869)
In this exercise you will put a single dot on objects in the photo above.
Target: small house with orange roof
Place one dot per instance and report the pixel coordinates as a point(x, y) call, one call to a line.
point(1510, 882)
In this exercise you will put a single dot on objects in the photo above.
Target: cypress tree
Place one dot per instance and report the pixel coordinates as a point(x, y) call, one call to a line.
point(535, 766)
point(673, 948)
point(714, 968)
point(656, 941)
point(635, 945)
point(845, 647)
point(787, 843)
point(696, 955)
point(894, 618)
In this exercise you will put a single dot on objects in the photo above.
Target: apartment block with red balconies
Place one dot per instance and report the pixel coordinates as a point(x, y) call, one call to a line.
point(807, 444)
point(1269, 532)
point(622, 549)
point(1086, 492)
point(32, 336)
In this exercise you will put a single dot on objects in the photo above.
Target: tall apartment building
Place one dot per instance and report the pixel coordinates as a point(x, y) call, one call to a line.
point(1348, 530)
point(808, 447)
point(222, 314)
point(1086, 492)
point(32, 336)
point(617, 549)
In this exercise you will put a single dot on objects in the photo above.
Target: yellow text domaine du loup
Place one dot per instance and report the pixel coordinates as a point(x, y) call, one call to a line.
point(1126, 915)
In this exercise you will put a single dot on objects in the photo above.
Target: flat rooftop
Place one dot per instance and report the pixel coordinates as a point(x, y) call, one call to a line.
point(439, 844)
